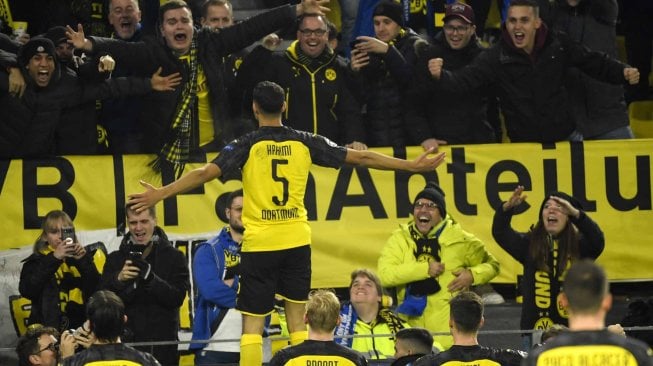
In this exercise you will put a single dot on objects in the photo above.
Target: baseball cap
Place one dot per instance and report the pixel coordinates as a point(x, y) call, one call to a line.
point(459, 10)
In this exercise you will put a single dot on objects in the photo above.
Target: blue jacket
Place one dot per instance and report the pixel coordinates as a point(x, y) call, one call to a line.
point(210, 269)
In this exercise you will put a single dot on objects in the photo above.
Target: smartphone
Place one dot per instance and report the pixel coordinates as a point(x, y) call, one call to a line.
point(135, 256)
point(135, 252)
point(353, 43)
point(68, 232)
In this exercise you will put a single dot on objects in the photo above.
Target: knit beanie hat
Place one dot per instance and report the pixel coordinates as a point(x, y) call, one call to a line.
point(434, 193)
point(57, 35)
point(391, 10)
point(34, 46)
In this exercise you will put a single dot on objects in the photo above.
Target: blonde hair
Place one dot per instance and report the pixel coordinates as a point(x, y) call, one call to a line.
point(49, 220)
point(322, 310)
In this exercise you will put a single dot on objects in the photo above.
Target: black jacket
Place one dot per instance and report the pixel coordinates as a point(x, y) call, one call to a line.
point(48, 289)
point(152, 308)
point(531, 88)
point(145, 57)
point(474, 355)
point(436, 112)
point(598, 107)
point(110, 354)
point(383, 83)
point(319, 101)
point(39, 123)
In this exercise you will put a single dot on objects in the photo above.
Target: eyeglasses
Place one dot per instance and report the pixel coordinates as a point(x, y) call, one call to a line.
point(53, 347)
point(317, 32)
point(427, 205)
point(452, 29)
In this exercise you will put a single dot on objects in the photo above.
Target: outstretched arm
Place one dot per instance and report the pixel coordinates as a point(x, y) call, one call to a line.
point(152, 195)
point(372, 159)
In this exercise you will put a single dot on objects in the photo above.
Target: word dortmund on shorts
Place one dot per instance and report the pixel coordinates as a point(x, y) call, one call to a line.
point(280, 214)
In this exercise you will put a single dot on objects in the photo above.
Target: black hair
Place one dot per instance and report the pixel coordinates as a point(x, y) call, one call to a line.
point(585, 286)
point(106, 314)
point(269, 97)
point(417, 339)
point(233, 195)
point(531, 3)
point(171, 5)
point(29, 345)
point(466, 310)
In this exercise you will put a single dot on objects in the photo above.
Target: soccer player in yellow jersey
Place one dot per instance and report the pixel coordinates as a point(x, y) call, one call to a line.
point(586, 296)
point(275, 258)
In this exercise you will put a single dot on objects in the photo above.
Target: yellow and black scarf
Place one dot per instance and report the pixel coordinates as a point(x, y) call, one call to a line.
point(176, 149)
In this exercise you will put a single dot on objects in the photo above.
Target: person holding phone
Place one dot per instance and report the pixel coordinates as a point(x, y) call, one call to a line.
point(383, 66)
point(60, 275)
point(151, 277)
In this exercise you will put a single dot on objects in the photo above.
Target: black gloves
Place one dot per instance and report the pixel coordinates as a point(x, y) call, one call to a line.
point(145, 268)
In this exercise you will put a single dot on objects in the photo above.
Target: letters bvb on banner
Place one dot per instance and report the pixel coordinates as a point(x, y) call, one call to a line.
point(354, 210)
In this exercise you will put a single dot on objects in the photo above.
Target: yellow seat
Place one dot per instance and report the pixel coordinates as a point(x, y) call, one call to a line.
point(641, 118)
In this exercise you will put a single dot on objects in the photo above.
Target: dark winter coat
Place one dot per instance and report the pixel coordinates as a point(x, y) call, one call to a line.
point(599, 107)
point(144, 58)
point(531, 88)
point(152, 307)
point(436, 112)
point(383, 83)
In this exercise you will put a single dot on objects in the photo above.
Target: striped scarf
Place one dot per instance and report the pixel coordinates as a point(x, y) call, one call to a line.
point(177, 149)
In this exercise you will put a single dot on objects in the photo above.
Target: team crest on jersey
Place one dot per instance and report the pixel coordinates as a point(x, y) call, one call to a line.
point(425, 257)
point(238, 62)
point(561, 309)
point(543, 323)
point(330, 74)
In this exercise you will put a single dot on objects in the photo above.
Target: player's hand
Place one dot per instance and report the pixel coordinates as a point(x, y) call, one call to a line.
point(142, 201)
point(424, 163)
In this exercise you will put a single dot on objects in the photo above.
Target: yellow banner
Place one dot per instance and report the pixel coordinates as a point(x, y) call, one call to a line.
point(5, 12)
point(354, 210)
